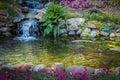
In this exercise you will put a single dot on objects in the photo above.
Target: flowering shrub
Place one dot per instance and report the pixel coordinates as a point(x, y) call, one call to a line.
point(103, 74)
point(75, 3)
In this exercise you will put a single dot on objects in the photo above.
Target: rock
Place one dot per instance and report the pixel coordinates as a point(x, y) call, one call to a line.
point(20, 2)
point(117, 34)
point(93, 34)
point(80, 69)
point(7, 34)
point(104, 33)
point(48, 4)
point(91, 26)
point(72, 28)
point(10, 67)
point(97, 71)
point(112, 35)
point(5, 29)
point(117, 71)
point(77, 41)
point(79, 32)
point(71, 33)
point(115, 49)
point(39, 16)
point(25, 9)
point(75, 21)
point(40, 67)
point(64, 35)
point(3, 13)
point(18, 19)
point(118, 31)
point(3, 18)
point(10, 25)
point(58, 67)
point(23, 67)
point(2, 24)
point(62, 24)
point(63, 31)
point(87, 30)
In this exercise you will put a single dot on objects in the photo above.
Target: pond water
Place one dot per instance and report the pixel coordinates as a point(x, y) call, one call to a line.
point(70, 51)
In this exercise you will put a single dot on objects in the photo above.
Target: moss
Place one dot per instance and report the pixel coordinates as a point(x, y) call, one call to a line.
point(70, 15)
point(97, 23)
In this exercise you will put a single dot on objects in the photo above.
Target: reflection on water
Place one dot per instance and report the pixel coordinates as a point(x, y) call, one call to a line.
point(48, 51)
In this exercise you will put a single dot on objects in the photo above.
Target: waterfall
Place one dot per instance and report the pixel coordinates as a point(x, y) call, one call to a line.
point(28, 29)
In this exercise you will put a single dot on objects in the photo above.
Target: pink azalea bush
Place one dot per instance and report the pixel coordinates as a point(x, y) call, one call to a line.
point(18, 74)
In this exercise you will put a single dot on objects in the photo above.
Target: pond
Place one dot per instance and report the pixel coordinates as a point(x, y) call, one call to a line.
point(70, 51)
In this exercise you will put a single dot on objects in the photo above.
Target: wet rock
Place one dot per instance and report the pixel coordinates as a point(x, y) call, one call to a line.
point(25, 9)
point(71, 33)
point(18, 19)
point(79, 32)
point(58, 66)
point(5, 29)
point(63, 31)
point(91, 26)
point(40, 67)
point(104, 33)
point(117, 71)
point(112, 35)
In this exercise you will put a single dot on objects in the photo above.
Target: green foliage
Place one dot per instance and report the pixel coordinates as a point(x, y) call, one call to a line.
point(102, 17)
point(97, 23)
point(3, 5)
point(9, 10)
point(116, 2)
point(70, 15)
point(54, 15)
point(108, 29)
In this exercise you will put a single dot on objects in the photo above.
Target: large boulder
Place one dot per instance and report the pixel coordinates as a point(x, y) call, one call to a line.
point(40, 67)
point(80, 69)
point(76, 21)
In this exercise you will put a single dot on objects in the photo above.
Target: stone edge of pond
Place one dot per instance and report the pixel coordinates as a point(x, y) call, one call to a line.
point(59, 67)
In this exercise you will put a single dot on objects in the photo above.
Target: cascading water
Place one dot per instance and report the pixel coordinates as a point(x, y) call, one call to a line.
point(29, 30)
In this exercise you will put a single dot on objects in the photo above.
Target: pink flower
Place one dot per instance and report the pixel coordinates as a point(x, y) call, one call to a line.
point(18, 68)
point(60, 73)
point(27, 75)
point(58, 78)
point(76, 73)
point(27, 67)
